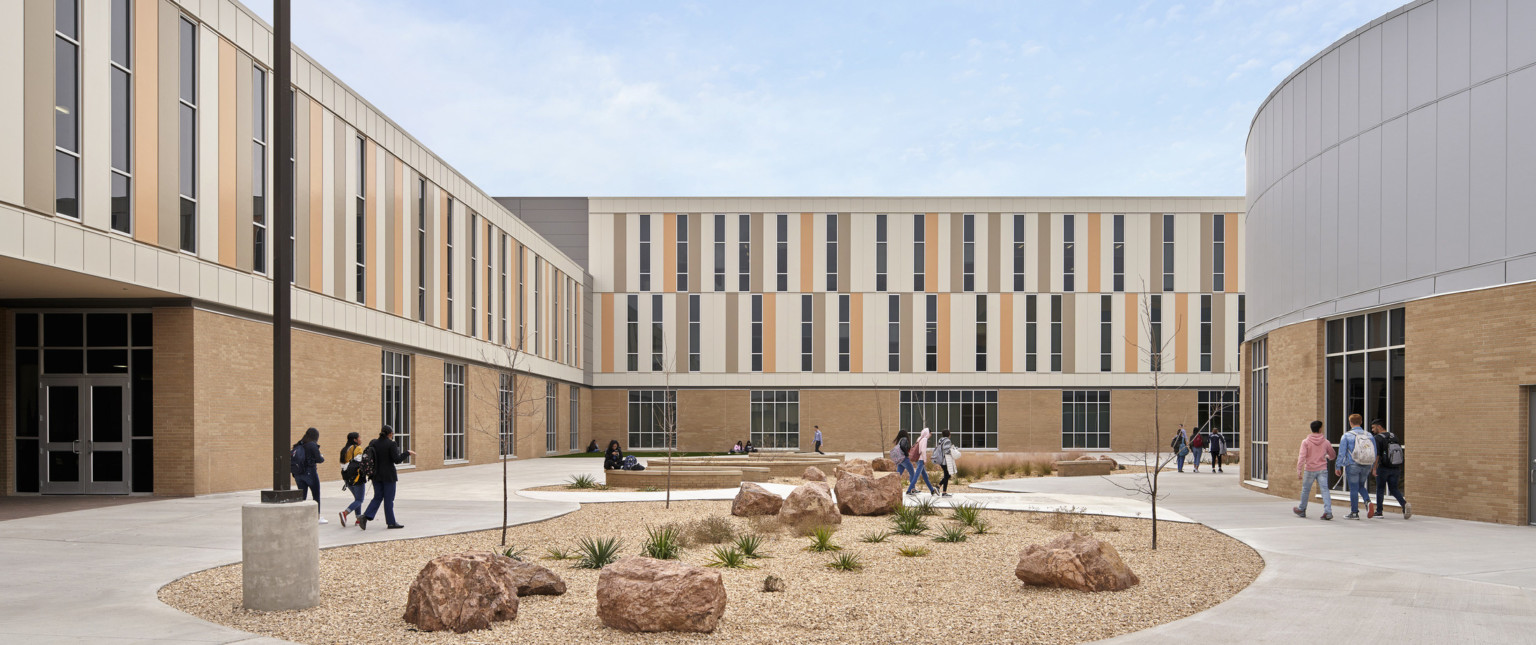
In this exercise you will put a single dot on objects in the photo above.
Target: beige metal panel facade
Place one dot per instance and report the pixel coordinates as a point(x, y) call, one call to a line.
point(95, 116)
point(12, 113)
point(208, 141)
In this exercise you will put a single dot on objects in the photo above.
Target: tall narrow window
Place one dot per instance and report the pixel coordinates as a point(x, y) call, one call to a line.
point(807, 308)
point(880, 253)
point(1119, 253)
point(474, 268)
point(453, 412)
point(1168, 230)
point(538, 306)
point(507, 411)
point(744, 251)
point(421, 251)
point(360, 232)
point(258, 169)
point(782, 256)
point(645, 252)
point(682, 252)
point(775, 418)
point(1219, 253)
point(931, 333)
point(1155, 321)
point(719, 252)
point(551, 416)
point(693, 332)
point(1055, 333)
point(1106, 333)
point(121, 69)
point(1018, 252)
point(490, 283)
point(396, 397)
point(968, 249)
point(522, 299)
point(503, 291)
point(1068, 261)
point(1258, 407)
point(448, 246)
point(66, 115)
point(575, 418)
point(188, 138)
point(918, 258)
point(981, 333)
point(658, 335)
point(1205, 332)
point(893, 333)
point(1242, 317)
point(831, 251)
point(555, 313)
point(844, 342)
point(1030, 364)
point(757, 332)
point(632, 349)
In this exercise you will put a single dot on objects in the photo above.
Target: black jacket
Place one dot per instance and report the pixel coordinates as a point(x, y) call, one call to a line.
point(1215, 443)
point(613, 459)
point(386, 453)
point(312, 459)
point(1382, 441)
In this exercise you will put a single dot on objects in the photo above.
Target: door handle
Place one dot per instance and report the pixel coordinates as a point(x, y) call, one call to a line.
point(77, 446)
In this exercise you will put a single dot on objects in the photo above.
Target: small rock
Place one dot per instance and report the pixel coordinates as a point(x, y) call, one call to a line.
point(810, 505)
point(773, 583)
point(813, 474)
point(1075, 561)
point(857, 467)
point(755, 500)
point(859, 495)
point(639, 594)
point(532, 579)
point(883, 465)
point(461, 592)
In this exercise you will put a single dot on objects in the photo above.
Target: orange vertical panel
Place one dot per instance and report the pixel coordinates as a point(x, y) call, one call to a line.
point(1181, 333)
point(146, 123)
point(371, 227)
point(856, 332)
point(228, 159)
point(316, 198)
point(944, 316)
point(931, 258)
point(1132, 332)
point(1005, 347)
point(808, 254)
point(1232, 240)
point(609, 340)
point(1093, 251)
point(669, 252)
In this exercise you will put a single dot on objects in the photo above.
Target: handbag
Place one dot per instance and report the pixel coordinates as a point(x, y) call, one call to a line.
point(954, 453)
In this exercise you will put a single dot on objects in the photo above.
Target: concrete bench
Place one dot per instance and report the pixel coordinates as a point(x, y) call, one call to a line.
point(775, 467)
point(698, 478)
point(1084, 468)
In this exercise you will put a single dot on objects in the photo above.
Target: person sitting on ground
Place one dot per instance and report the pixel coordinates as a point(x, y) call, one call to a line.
point(749, 447)
point(737, 449)
point(613, 457)
point(592, 447)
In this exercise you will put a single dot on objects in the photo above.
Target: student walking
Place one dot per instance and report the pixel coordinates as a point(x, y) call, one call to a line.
point(818, 440)
point(1312, 467)
point(352, 475)
point(1218, 448)
point(918, 455)
point(1357, 456)
point(1180, 446)
point(386, 453)
point(1389, 468)
point(1197, 444)
point(303, 463)
point(899, 449)
point(945, 458)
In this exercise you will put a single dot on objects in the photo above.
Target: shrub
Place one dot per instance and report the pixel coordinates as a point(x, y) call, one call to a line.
point(913, 551)
point(1047, 468)
point(514, 552)
point(951, 533)
point(1105, 525)
point(821, 540)
point(909, 523)
point(727, 557)
point(596, 553)
point(663, 543)
point(875, 537)
point(966, 513)
point(1068, 519)
point(981, 526)
point(558, 552)
point(773, 583)
point(650, 489)
point(845, 562)
point(750, 545)
point(925, 507)
point(711, 530)
point(584, 482)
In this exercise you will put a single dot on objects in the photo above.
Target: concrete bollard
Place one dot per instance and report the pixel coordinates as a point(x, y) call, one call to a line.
point(280, 545)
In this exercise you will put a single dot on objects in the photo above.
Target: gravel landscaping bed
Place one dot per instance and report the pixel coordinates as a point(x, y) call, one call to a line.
point(960, 592)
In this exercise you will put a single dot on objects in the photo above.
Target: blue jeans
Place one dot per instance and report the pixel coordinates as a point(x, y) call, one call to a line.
point(1355, 476)
point(383, 492)
point(309, 484)
point(357, 499)
point(1197, 457)
point(904, 466)
point(1389, 479)
point(919, 468)
point(1320, 477)
point(1181, 455)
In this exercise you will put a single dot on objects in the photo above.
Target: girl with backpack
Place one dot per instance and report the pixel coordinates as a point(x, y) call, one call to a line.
point(898, 455)
point(945, 458)
point(385, 454)
point(303, 461)
point(1180, 446)
point(918, 456)
point(1197, 444)
point(352, 475)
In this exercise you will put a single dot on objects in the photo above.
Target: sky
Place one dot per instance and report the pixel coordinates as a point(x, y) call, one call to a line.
point(736, 98)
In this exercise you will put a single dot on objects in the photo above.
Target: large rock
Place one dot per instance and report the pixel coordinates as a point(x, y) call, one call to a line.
point(810, 505)
point(532, 579)
point(755, 500)
point(462, 592)
point(639, 594)
point(813, 474)
point(860, 495)
point(883, 465)
point(857, 467)
point(1075, 561)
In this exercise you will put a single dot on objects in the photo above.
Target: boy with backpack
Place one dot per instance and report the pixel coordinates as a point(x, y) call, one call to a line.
point(1389, 469)
point(1357, 457)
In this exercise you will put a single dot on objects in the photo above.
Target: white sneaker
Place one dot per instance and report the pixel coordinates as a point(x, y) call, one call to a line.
point(324, 521)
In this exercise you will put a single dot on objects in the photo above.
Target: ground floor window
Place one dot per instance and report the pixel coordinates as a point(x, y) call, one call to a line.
point(575, 419)
point(1364, 373)
point(453, 412)
point(507, 411)
point(1217, 410)
point(551, 416)
point(396, 397)
point(775, 419)
point(1085, 420)
point(1258, 406)
point(652, 419)
point(970, 416)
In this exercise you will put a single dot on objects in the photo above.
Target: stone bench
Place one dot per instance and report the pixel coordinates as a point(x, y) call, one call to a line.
point(775, 467)
point(692, 478)
point(1084, 468)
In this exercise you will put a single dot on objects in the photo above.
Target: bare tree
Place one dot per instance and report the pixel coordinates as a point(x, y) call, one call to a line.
point(879, 414)
point(665, 415)
point(512, 396)
point(1155, 349)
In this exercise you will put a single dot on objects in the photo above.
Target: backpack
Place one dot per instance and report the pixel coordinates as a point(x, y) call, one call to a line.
point(1364, 451)
point(298, 462)
point(896, 454)
point(914, 454)
point(366, 467)
point(1198, 441)
point(1394, 451)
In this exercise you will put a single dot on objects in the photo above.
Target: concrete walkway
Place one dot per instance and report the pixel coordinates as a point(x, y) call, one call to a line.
point(1386, 580)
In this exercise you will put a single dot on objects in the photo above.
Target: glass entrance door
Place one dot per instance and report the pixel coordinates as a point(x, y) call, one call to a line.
point(85, 447)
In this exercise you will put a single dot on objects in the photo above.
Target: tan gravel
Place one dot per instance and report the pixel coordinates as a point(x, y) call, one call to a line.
point(963, 592)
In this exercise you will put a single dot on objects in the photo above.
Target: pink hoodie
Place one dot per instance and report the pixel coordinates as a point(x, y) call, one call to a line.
point(922, 443)
point(1315, 453)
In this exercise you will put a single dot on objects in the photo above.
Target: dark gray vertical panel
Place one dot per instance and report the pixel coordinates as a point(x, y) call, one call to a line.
point(758, 246)
point(244, 166)
point(620, 253)
point(733, 331)
point(38, 107)
point(169, 73)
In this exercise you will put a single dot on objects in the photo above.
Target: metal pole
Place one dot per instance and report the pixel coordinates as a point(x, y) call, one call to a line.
point(282, 275)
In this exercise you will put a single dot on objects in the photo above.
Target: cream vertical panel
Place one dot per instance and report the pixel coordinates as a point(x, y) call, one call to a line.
point(1186, 265)
point(1237, 227)
point(898, 255)
point(1107, 254)
point(207, 143)
point(1001, 243)
point(659, 265)
point(1229, 323)
point(631, 244)
point(1137, 228)
point(408, 259)
point(876, 332)
point(786, 314)
point(95, 102)
point(328, 202)
point(983, 252)
point(937, 253)
point(12, 131)
point(962, 332)
point(744, 344)
point(712, 331)
point(704, 274)
point(792, 260)
point(351, 163)
point(272, 165)
point(669, 323)
point(860, 274)
point(599, 252)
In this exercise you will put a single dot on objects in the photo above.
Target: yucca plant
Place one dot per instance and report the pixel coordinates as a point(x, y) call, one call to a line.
point(845, 562)
point(981, 526)
point(558, 552)
point(821, 540)
point(875, 537)
point(925, 507)
point(951, 533)
point(751, 545)
point(596, 553)
point(663, 543)
point(514, 552)
point(966, 513)
point(913, 551)
point(909, 523)
point(582, 481)
point(728, 557)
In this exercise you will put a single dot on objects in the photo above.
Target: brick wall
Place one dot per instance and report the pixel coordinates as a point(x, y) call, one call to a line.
point(610, 416)
point(1132, 412)
point(427, 411)
point(850, 420)
point(174, 442)
point(1296, 399)
point(1030, 420)
point(713, 420)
